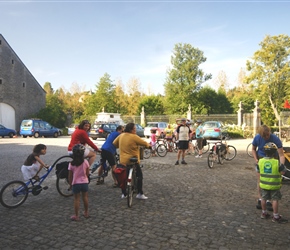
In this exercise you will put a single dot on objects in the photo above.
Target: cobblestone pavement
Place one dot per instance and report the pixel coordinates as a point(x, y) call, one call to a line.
point(189, 207)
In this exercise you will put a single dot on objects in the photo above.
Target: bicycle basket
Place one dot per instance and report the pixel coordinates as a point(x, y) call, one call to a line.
point(62, 166)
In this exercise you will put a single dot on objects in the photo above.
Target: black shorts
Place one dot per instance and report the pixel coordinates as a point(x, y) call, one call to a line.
point(108, 156)
point(183, 145)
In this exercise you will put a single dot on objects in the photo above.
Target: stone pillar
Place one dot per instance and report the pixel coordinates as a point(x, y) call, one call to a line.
point(240, 114)
point(189, 112)
point(256, 117)
point(143, 117)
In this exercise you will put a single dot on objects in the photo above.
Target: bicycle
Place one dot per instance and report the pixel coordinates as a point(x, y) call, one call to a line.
point(131, 180)
point(161, 151)
point(220, 152)
point(205, 148)
point(14, 193)
point(249, 150)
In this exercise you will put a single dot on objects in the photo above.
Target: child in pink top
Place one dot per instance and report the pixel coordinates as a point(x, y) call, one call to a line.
point(78, 180)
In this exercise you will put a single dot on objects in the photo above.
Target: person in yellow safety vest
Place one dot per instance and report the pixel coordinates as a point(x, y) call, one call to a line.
point(270, 172)
point(169, 135)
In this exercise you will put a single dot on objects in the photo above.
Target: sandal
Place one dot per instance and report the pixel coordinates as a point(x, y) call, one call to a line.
point(86, 215)
point(115, 185)
point(74, 218)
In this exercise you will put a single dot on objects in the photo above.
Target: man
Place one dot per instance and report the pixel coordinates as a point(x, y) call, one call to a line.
point(108, 154)
point(199, 138)
point(182, 138)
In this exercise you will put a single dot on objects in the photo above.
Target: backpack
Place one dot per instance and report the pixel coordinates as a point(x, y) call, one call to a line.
point(62, 166)
point(121, 175)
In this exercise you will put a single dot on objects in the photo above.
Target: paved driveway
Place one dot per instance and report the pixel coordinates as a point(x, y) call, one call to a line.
point(189, 207)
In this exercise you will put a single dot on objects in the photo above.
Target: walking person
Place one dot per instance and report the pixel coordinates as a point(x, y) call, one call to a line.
point(78, 180)
point(264, 136)
point(199, 138)
point(182, 138)
point(270, 172)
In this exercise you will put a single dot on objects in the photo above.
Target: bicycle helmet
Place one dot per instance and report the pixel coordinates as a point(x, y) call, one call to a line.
point(79, 149)
point(270, 148)
point(198, 121)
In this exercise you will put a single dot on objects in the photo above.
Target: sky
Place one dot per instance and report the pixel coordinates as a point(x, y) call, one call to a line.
point(66, 42)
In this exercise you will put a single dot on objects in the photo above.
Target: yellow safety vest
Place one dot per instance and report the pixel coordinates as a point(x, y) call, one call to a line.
point(270, 177)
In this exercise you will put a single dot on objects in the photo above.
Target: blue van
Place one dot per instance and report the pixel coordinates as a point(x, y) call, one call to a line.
point(37, 128)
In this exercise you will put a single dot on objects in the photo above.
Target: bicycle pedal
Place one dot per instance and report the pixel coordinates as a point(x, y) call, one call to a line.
point(45, 188)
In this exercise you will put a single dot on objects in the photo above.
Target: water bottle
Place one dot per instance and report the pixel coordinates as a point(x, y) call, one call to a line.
point(94, 167)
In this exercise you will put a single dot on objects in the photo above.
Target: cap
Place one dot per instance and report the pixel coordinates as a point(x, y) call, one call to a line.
point(183, 119)
point(199, 121)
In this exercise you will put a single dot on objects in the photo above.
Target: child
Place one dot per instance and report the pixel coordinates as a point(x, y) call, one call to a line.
point(33, 164)
point(168, 135)
point(78, 179)
point(270, 181)
point(153, 141)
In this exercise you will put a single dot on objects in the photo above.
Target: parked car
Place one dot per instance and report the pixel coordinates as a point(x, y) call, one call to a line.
point(37, 128)
point(139, 130)
point(72, 128)
point(7, 131)
point(102, 130)
point(158, 126)
point(214, 130)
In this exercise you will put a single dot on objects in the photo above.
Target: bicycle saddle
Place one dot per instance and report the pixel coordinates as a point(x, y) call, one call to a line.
point(134, 159)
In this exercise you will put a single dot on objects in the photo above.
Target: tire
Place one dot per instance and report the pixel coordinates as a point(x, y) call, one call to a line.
point(11, 135)
point(175, 147)
point(55, 135)
point(36, 135)
point(62, 186)
point(221, 157)
point(13, 194)
point(231, 153)
point(24, 136)
point(161, 150)
point(249, 150)
point(210, 159)
point(205, 149)
point(131, 189)
point(147, 153)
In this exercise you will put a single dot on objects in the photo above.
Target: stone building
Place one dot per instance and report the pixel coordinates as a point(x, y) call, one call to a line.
point(21, 96)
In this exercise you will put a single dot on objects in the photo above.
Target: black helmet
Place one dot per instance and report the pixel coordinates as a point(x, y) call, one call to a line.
point(79, 149)
point(270, 148)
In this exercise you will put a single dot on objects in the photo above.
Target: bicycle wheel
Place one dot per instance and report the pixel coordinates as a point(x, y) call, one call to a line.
point(13, 194)
point(221, 157)
point(175, 147)
point(211, 159)
point(249, 150)
point(147, 153)
point(205, 148)
point(161, 150)
point(62, 185)
point(230, 153)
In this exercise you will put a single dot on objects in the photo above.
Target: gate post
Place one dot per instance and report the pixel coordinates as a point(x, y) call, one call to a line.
point(256, 117)
point(142, 117)
point(240, 114)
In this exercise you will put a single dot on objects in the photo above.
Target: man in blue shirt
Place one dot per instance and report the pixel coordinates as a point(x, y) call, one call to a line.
point(264, 136)
point(108, 153)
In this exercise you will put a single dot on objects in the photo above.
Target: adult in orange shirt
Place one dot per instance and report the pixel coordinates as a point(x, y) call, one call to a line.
point(128, 144)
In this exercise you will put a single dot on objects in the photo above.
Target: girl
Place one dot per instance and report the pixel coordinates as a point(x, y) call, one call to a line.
point(78, 180)
point(33, 164)
point(153, 141)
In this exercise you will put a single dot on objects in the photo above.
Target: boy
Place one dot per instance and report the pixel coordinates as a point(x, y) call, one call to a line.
point(270, 181)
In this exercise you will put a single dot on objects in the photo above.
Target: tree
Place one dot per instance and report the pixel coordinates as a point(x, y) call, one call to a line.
point(222, 82)
point(270, 75)
point(184, 80)
point(153, 105)
point(48, 89)
point(121, 98)
point(134, 95)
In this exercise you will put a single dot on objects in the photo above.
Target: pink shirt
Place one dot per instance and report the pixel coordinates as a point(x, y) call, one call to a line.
point(153, 138)
point(79, 173)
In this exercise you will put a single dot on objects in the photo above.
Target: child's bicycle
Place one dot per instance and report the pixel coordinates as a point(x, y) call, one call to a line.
point(220, 152)
point(15, 193)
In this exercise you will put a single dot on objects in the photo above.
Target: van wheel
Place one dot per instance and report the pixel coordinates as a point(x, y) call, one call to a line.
point(11, 135)
point(36, 135)
point(55, 135)
point(24, 136)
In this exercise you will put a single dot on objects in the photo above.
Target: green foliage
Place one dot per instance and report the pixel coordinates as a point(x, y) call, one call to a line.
point(269, 74)
point(153, 105)
point(184, 79)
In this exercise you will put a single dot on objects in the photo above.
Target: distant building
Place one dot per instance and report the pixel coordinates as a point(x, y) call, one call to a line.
point(21, 96)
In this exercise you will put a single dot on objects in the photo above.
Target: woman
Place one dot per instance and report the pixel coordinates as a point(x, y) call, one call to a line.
point(80, 136)
point(128, 144)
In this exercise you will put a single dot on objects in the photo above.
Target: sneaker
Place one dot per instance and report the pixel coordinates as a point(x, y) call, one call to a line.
point(177, 163)
point(259, 206)
point(265, 216)
point(269, 206)
point(279, 220)
point(183, 162)
point(141, 197)
point(123, 196)
point(198, 156)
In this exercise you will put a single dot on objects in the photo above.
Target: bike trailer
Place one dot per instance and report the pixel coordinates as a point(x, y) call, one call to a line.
point(61, 169)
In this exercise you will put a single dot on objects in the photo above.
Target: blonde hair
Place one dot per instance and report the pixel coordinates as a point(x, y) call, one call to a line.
point(264, 130)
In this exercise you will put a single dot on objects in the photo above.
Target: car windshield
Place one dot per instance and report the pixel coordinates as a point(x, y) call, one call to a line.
point(210, 125)
point(151, 125)
point(26, 123)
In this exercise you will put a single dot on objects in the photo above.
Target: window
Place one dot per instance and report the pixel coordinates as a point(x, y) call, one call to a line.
point(23, 84)
point(12, 61)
